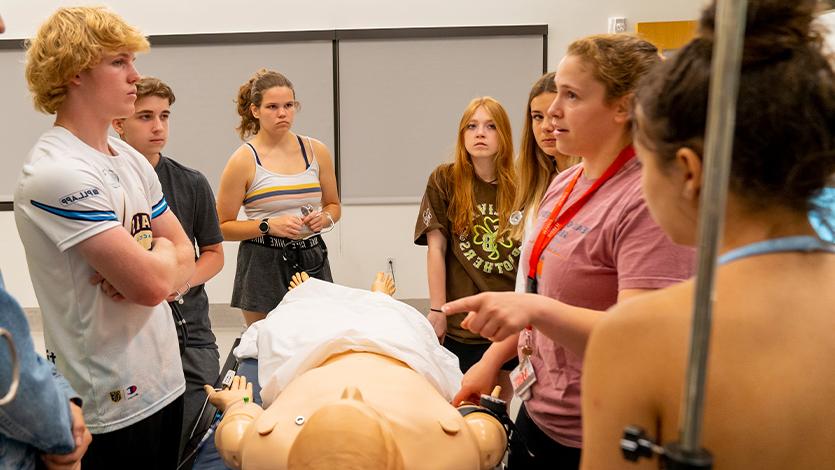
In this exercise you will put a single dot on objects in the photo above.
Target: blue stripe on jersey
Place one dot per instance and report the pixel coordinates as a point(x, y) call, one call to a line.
point(159, 208)
point(93, 216)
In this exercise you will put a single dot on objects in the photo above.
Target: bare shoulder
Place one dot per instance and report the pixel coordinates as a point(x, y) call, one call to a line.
point(242, 156)
point(319, 147)
point(649, 324)
point(237, 175)
point(630, 352)
point(670, 305)
point(241, 164)
point(323, 156)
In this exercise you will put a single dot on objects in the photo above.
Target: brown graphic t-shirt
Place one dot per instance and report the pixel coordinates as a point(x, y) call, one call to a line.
point(476, 261)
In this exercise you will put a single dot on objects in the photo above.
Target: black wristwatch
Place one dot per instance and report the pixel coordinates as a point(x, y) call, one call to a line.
point(264, 226)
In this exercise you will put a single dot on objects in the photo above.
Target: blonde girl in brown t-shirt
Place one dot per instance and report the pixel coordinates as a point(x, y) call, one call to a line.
point(464, 221)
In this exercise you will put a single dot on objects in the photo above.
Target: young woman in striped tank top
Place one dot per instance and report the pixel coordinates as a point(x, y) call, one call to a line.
point(277, 176)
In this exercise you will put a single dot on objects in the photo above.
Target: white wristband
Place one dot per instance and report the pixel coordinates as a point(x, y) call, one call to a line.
point(179, 296)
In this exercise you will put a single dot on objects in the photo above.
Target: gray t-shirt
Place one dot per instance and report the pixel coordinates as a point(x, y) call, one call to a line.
point(190, 197)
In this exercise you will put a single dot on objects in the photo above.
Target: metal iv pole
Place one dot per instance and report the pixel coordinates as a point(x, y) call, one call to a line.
point(724, 84)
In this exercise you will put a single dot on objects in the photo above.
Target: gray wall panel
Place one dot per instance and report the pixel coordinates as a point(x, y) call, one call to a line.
point(400, 102)
point(20, 124)
point(401, 93)
point(206, 79)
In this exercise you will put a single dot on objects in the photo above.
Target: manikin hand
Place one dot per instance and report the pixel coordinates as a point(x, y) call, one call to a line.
point(236, 393)
point(384, 283)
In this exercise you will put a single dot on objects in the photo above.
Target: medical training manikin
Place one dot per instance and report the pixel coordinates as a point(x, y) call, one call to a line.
point(352, 379)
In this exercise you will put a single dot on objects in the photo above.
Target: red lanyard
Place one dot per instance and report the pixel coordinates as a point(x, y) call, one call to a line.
point(557, 221)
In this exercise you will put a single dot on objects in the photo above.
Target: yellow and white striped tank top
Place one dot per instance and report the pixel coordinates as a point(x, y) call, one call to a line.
point(273, 194)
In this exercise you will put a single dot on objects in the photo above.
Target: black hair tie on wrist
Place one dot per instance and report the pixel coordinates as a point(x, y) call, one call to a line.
point(436, 310)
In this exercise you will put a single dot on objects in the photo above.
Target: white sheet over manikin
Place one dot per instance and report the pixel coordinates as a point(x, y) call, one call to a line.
point(319, 319)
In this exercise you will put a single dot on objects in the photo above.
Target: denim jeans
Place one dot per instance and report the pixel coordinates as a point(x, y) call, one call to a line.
point(38, 420)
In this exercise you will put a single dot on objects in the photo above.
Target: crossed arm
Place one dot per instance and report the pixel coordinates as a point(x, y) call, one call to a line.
point(129, 272)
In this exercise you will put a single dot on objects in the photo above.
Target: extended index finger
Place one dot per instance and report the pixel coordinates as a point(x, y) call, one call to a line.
point(465, 304)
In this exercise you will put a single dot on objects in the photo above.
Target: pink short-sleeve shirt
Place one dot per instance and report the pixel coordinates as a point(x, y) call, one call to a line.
point(611, 244)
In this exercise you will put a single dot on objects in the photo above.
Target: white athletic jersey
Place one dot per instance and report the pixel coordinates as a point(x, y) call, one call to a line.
point(122, 358)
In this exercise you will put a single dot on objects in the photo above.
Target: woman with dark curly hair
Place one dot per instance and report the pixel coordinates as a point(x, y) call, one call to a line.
point(287, 186)
point(770, 378)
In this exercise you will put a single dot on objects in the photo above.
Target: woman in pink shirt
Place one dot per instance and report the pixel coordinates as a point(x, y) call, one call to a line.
point(599, 248)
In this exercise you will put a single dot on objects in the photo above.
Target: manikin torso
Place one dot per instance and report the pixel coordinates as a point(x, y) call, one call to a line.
point(356, 410)
point(427, 431)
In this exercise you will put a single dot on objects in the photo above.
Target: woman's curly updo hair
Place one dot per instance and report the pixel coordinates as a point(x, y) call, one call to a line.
point(252, 93)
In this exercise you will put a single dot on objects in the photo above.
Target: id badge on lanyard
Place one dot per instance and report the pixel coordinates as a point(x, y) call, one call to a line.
point(522, 377)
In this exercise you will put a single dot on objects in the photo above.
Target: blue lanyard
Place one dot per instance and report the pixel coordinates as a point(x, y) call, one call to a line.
point(803, 243)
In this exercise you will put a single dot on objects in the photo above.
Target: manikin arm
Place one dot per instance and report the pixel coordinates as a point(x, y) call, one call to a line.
point(491, 438)
point(238, 415)
point(489, 432)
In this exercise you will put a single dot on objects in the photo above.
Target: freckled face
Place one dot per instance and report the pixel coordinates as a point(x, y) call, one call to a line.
point(481, 138)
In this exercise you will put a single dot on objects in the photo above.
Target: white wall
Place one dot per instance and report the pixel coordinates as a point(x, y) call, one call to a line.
point(368, 234)
point(568, 19)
